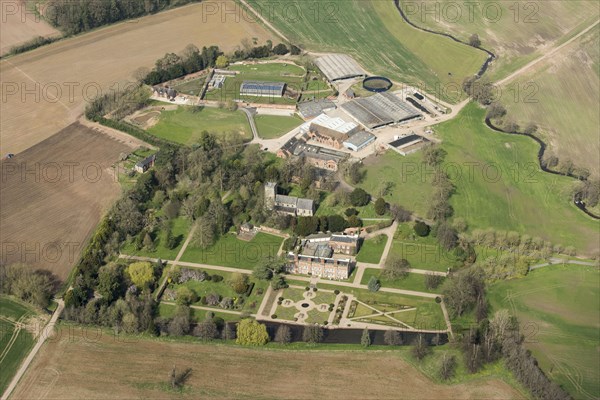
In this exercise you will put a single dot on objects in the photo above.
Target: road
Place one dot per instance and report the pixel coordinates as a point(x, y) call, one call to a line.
point(252, 123)
point(44, 334)
point(558, 261)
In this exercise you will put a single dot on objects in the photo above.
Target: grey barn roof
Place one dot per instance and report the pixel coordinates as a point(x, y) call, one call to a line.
point(380, 109)
point(311, 109)
point(360, 138)
point(339, 66)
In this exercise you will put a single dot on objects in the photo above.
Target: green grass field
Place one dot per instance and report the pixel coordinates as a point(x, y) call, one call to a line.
point(428, 314)
point(229, 251)
point(274, 126)
point(180, 229)
point(374, 33)
point(185, 126)
point(533, 26)
point(372, 249)
point(411, 282)
point(562, 99)
point(291, 74)
point(499, 184)
point(192, 86)
point(557, 308)
point(14, 343)
point(421, 252)
point(409, 176)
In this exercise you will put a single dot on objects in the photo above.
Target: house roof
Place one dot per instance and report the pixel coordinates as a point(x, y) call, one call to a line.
point(344, 238)
point(305, 204)
point(146, 161)
point(359, 139)
point(281, 198)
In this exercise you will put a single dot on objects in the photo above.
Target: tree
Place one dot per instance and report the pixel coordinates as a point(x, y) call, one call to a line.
point(432, 281)
point(392, 338)
point(420, 348)
point(474, 40)
point(228, 332)
point(180, 324)
point(399, 213)
point(350, 212)
point(434, 155)
point(312, 334)
point(355, 173)
point(511, 126)
point(374, 284)
point(185, 296)
point(530, 128)
point(295, 50)
point(222, 62)
point(447, 236)
point(205, 234)
point(239, 282)
point(283, 334)
point(365, 339)
point(278, 282)
point(396, 268)
point(206, 330)
point(141, 274)
point(359, 197)
point(447, 366)
point(462, 291)
point(251, 333)
point(336, 223)
point(421, 228)
point(380, 206)
point(495, 110)
point(148, 242)
point(280, 49)
point(110, 282)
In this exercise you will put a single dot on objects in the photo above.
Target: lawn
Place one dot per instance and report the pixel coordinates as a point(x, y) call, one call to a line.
point(168, 311)
point(368, 211)
point(229, 251)
point(558, 307)
point(180, 227)
point(409, 177)
point(499, 185)
point(288, 73)
point(14, 345)
point(185, 125)
point(411, 282)
point(372, 249)
point(428, 314)
point(400, 52)
point(421, 252)
point(274, 126)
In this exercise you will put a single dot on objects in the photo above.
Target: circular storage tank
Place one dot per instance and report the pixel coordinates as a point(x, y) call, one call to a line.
point(377, 84)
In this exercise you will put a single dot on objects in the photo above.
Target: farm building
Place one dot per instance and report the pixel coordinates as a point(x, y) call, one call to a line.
point(262, 89)
point(287, 204)
point(319, 157)
point(313, 108)
point(145, 164)
point(359, 140)
point(323, 267)
point(380, 110)
point(339, 66)
point(329, 131)
point(338, 243)
point(408, 144)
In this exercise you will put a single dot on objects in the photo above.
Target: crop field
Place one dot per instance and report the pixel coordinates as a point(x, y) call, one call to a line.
point(274, 126)
point(400, 52)
point(499, 185)
point(229, 251)
point(518, 33)
point(20, 24)
point(409, 179)
point(185, 125)
point(15, 339)
point(565, 103)
point(269, 72)
point(73, 368)
point(62, 92)
point(557, 307)
point(54, 194)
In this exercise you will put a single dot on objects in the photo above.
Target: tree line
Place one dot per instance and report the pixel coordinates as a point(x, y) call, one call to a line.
point(76, 16)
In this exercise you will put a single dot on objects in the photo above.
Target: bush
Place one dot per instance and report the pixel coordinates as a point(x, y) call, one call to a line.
point(274, 316)
point(421, 228)
point(350, 212)
point(336, 291)
point(359, 197)
point(314, 289)
point(380, 206)
point(217, 278)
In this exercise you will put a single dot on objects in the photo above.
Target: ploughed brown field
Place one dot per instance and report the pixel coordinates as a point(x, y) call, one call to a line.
point(20, 24)
point(53, 195)
point(46, 89)
point(72, 368)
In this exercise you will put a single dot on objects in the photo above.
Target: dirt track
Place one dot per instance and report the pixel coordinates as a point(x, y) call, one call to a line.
point(45, 90)
point(53, 195)
point(71, 368)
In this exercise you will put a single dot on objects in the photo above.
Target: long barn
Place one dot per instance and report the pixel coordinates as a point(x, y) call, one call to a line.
point(262, 89)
